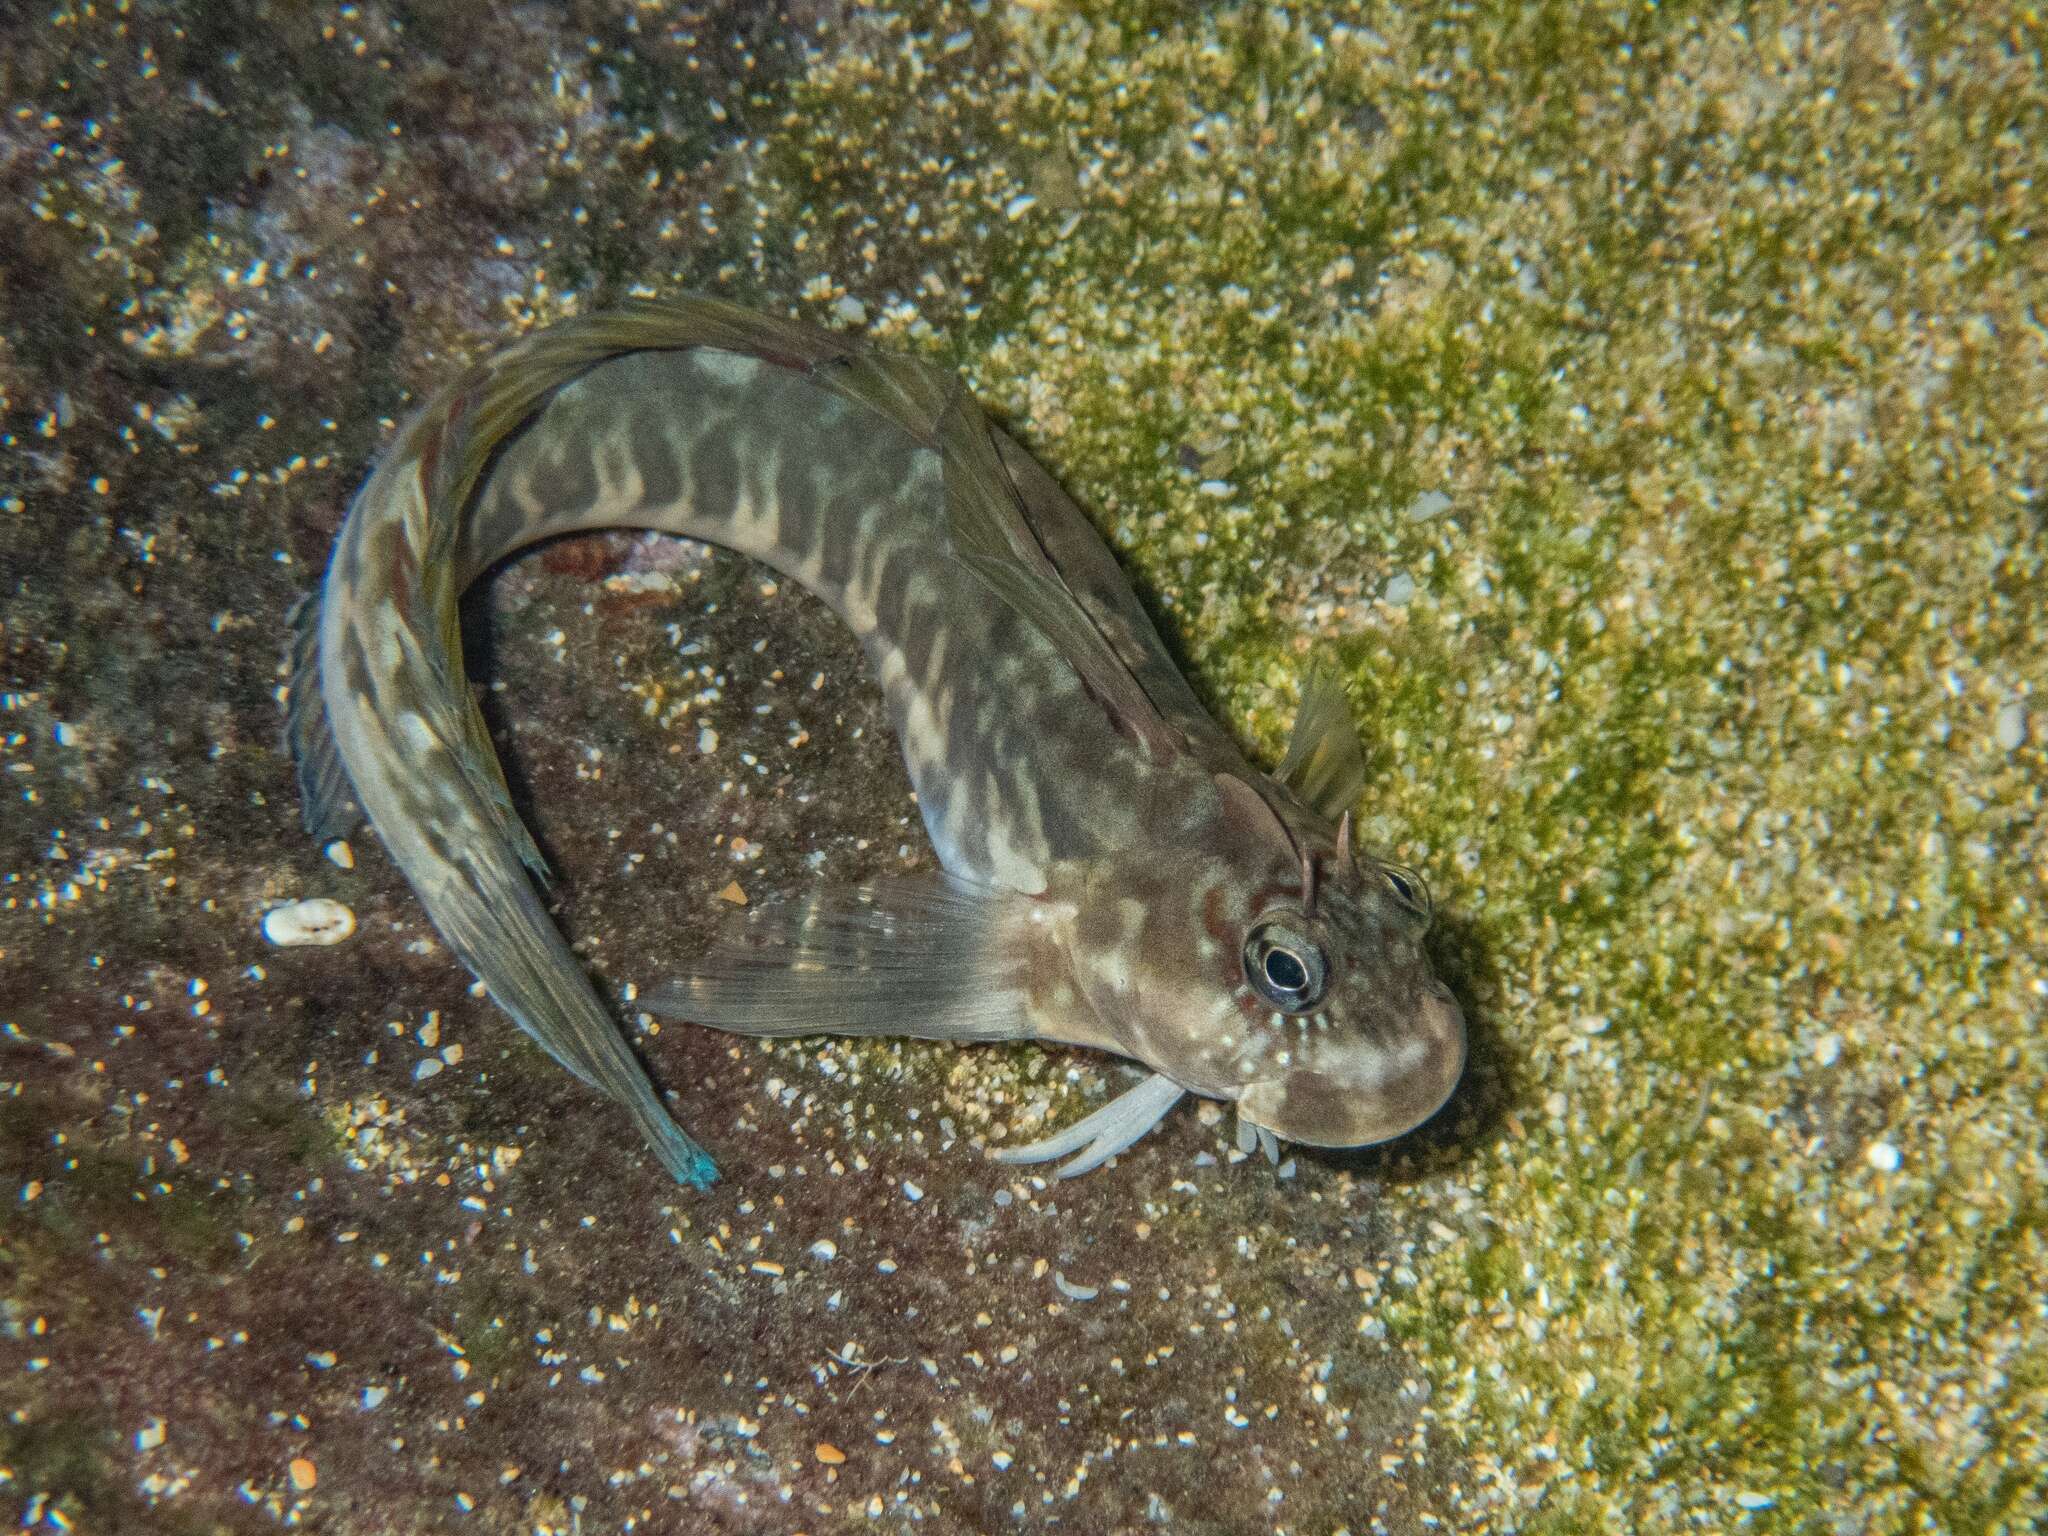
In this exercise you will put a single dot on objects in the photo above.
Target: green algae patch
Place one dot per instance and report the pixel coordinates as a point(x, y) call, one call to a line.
point(1639, 407)
point(1607, 395)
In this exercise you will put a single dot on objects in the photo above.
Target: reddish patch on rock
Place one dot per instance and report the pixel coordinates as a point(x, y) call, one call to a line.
point(588, 556)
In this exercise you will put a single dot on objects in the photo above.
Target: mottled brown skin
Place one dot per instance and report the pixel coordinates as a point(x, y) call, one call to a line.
point(1111, 854)
point(1158, 953)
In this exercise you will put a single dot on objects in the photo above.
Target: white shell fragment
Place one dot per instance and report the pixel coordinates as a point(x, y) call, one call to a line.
point(317, 921)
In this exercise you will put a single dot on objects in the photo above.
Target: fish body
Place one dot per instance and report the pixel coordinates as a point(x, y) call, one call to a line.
point(1116, 874)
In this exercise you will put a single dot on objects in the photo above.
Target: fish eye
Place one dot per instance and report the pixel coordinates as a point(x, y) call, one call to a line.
point(1285, 970)
point(1409, 887)
point(1284, 967)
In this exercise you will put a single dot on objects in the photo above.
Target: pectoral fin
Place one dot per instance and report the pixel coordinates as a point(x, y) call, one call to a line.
point(918, 956)
point(1324, 765)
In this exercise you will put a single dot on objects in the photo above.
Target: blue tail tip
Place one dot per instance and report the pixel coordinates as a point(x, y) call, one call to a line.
point(697, 1170)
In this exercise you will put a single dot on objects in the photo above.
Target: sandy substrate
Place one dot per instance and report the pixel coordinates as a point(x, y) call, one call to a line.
point(1644, 412)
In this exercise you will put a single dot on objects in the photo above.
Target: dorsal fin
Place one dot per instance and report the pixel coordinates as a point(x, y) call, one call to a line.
point(985, 509)
point(1324, 765)
point(1088, 570)
point(991, 534)
point(990, 530)
point(500, 393)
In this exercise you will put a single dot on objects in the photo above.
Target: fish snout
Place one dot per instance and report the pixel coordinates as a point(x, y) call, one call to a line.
point(1365, 1093)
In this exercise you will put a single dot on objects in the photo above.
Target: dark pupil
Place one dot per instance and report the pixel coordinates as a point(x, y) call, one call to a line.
point(1285, 970)
point(1402, 886)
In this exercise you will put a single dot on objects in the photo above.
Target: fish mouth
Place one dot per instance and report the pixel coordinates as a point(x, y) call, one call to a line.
point(1371, 1096)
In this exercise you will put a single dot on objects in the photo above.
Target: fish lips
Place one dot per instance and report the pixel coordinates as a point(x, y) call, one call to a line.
point(1368, 1094)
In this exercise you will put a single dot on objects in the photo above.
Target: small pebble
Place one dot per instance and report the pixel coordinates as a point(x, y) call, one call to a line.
point(317, 921)
point(1400, 590)
point(340, 852)
point(373, 1397)
point(1071, 1291)
point(911, 1191)
point(830, 1454)
point(824, 1250)
point(734, 894)
point(304, 1474)
point(2010, 728)
point(1882, 1156)
point(707, 740)
point(1428, 505)
point(426, 1069)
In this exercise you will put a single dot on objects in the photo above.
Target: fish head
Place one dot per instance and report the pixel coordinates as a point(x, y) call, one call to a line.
point(1278, 967)
point(1356, 1039)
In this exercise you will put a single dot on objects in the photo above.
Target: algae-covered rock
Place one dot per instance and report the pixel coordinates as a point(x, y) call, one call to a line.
point(1640, 408)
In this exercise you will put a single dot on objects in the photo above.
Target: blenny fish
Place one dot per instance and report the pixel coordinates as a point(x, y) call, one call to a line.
point(1115, 873)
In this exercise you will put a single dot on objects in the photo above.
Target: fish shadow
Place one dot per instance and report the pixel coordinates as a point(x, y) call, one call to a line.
point(1492, 1085)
